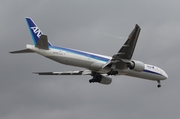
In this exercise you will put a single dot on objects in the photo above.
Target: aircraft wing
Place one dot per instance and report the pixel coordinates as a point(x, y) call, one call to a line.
point(83, 72)
point(125, 54)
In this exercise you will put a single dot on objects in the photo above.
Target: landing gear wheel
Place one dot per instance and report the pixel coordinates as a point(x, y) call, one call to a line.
point(115, 72)
point(112, 72)
point(96, 78)
point(159, 86)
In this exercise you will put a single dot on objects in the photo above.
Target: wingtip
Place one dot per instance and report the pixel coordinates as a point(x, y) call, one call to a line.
point(137, 25)
point(34, 73)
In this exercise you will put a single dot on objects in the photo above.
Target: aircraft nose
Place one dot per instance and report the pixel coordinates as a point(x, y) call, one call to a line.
point(164, 74)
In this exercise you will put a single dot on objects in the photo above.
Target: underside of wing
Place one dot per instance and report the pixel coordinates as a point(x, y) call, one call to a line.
point(127, 49)
point(124, 55)
point(83, 72)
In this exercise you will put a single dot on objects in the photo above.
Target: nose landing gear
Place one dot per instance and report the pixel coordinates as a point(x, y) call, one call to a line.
point(159, 84)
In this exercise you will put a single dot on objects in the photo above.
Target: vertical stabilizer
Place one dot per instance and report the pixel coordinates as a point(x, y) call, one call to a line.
point(34, 30)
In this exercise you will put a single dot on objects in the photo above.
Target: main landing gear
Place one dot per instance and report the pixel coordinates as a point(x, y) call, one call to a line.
point(96, 78)
point(112, 72)
point(159, 84)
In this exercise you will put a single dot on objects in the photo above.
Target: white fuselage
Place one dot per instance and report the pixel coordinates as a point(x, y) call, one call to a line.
point(95, 62)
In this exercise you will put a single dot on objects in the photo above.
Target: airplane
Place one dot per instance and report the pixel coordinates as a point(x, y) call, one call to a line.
point(100, 67)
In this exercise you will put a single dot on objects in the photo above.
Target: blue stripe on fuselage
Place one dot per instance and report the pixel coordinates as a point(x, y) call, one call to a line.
point(152, 72)
point(91, 55)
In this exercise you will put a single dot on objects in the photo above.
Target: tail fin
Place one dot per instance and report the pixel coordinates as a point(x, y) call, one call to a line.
point(34, 30)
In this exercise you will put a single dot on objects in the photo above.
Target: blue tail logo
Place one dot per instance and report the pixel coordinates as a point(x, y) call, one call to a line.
point(34, 30)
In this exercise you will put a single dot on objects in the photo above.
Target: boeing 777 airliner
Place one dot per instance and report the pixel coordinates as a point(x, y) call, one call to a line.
point(100, 67)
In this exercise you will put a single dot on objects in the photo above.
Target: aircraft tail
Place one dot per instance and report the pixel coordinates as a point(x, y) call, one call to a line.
point(40, 40)
point(34, 30)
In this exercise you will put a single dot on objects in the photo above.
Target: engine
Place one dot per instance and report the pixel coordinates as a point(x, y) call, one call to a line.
point(105, 80)
point(136, 66)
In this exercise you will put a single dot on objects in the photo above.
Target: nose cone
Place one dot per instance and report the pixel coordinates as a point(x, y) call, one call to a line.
point(164, 74)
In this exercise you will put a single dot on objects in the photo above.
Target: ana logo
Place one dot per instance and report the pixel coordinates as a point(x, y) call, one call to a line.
point(37, 31)
point(150, 66)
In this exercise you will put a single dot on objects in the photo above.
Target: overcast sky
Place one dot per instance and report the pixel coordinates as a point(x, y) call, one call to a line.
point(92, 26)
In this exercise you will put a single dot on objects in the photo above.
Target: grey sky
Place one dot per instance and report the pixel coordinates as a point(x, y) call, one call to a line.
point(82, 24)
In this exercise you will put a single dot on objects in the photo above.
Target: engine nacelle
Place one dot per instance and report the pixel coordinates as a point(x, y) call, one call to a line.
point(136, 66)
point(105, 80)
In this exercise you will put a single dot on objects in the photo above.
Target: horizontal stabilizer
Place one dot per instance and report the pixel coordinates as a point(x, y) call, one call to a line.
point(42, 43)
point(84, 72)
point(22, 51)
